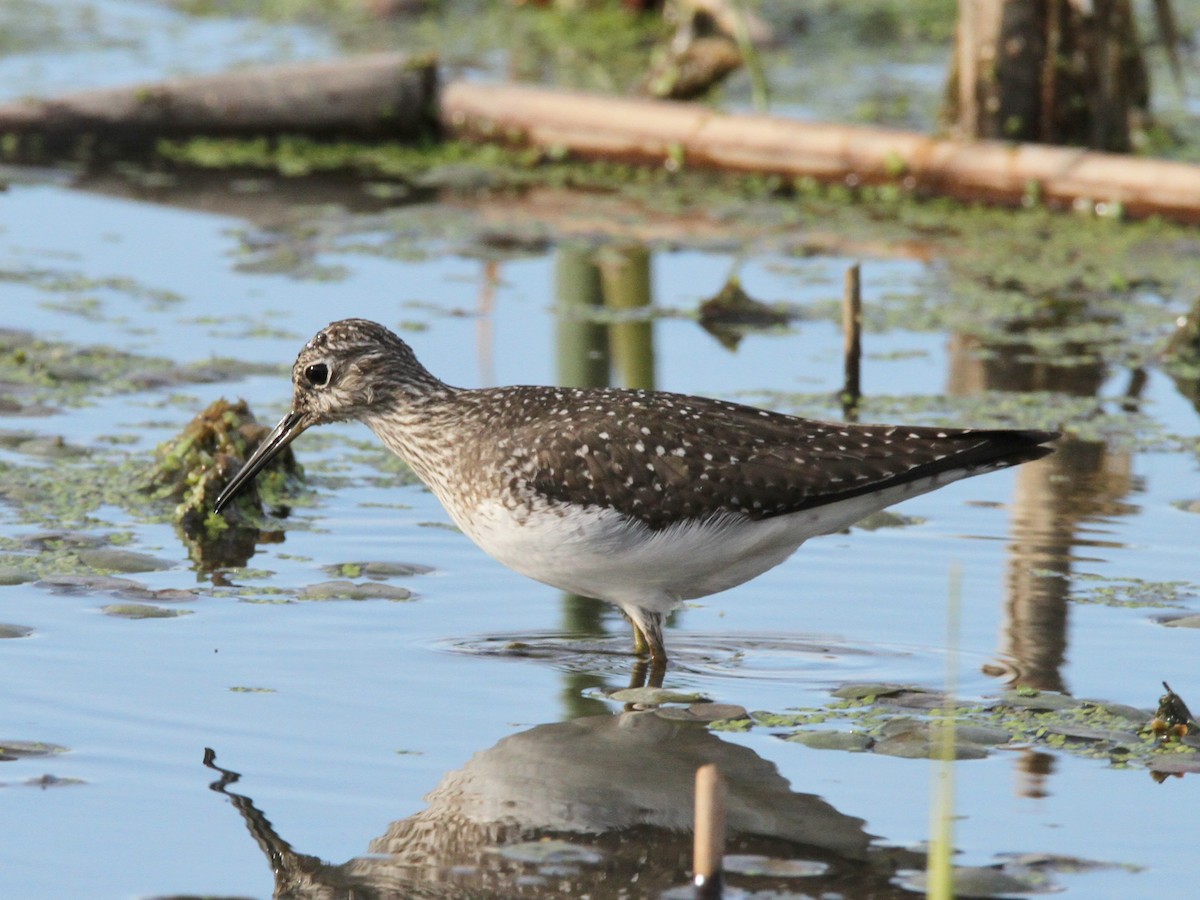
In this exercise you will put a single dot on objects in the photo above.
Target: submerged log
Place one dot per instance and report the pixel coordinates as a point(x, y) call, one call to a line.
point(385, 95)
point(679, 134)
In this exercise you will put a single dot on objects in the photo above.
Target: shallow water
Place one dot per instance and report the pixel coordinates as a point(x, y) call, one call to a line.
point(342, 717)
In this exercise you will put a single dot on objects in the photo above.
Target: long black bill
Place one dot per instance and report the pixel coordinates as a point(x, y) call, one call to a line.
point(289, 428)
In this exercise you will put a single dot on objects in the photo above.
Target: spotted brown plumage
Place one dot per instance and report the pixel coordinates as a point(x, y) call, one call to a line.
point(642, 498)
point(660, 458)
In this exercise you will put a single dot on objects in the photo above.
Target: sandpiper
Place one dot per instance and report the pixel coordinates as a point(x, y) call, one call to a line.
point(641, 498)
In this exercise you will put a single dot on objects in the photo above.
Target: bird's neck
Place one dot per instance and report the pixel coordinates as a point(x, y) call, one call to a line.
point(419, 425)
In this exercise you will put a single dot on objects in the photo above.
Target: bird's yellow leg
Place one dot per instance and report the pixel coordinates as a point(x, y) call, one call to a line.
point(641, 647)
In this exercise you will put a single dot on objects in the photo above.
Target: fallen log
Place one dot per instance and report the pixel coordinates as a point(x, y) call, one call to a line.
point(679, 134)
point(396, 97)
point(385, 95)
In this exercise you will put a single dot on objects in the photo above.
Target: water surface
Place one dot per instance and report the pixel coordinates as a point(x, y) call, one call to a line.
point(342, 717)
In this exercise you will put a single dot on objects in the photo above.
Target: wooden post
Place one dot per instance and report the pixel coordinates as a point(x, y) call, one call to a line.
point(628, 287)
point(709, 847)
point(581, 340)
point(852, 343)
point(1049, 71)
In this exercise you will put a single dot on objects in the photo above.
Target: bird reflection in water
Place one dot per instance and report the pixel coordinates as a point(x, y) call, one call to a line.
point(599, 806)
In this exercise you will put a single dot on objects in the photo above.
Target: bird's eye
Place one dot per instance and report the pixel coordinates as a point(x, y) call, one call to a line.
point(317, 374)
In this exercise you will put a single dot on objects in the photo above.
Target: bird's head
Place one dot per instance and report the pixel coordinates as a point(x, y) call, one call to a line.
point(349, 370)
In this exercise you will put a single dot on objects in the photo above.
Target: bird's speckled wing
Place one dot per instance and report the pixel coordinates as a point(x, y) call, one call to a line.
point(661, 458)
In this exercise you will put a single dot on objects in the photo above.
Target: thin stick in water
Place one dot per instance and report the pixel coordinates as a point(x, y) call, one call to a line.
point(852, 343)
point(940, 864)
point(709, 847)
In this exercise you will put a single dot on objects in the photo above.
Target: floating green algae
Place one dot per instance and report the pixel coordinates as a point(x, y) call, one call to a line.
point(107, 559)
point(142, 611)
point(348, 590)
point(25, 749)
point(376, 570)
point(896, 720)
point(1133, 593)
point(39, 372)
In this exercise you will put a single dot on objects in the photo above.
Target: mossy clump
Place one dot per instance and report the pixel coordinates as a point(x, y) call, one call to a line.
point(732, 312)
point(195, 466)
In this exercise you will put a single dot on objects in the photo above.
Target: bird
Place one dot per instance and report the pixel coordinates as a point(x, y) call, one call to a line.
point(641, 498)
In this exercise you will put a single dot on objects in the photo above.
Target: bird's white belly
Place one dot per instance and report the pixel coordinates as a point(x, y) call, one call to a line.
point(599, 553)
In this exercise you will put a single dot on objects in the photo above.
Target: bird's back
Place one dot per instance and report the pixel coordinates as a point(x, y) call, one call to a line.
point(660, 458)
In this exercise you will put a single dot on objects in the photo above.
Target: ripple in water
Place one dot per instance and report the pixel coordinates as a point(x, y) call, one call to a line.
point(698, 659)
